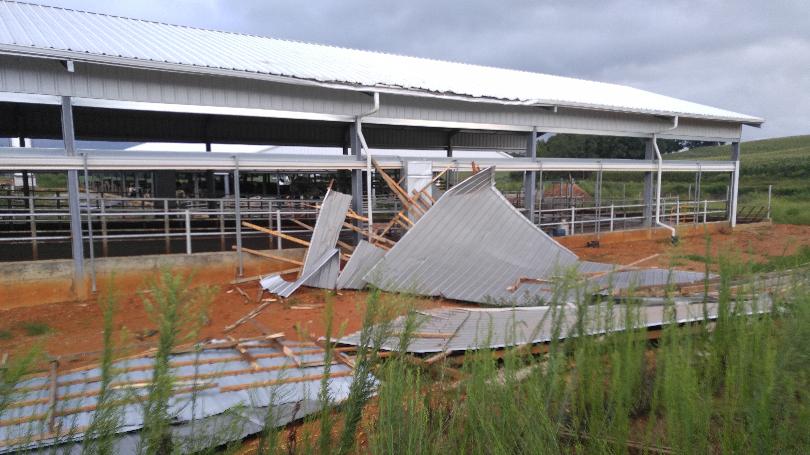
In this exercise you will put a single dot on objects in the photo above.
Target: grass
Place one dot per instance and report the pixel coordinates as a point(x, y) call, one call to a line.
point(739, 385)
point(36, 328)
point(6, 334)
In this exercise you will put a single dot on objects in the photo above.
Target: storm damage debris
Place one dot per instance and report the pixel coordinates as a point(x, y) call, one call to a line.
point(222, 392)
point(325, 267)
point(324, 239)
point(470, 245)
point(456, 330)
point(364, 258)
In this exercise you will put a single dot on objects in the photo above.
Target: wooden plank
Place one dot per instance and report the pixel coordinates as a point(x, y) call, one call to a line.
point(341, 243)
point(252, 314)
point(275, 233)
point(267, 255)
point(314, 377)
point(365, 233)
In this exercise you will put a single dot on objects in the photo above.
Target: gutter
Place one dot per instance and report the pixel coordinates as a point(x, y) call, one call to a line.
point(658, 221)
point(358, 126)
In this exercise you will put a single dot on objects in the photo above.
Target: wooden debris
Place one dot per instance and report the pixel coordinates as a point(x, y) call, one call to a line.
point(267, 255)
point(253, 313)
point(259, 277)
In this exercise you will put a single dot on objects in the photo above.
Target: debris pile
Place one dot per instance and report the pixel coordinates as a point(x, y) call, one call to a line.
point(222, 390)
point(470, 245)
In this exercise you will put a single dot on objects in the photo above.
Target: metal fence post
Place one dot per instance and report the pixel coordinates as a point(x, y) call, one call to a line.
point(222, 224)
point(770, 187)
point(238, 216)
point(678, 211)
point(611, 217)
point(167, 240)
point(705, 210)
point(188, 231)
point(103, 228)
point(33, 223)
point(573, 226)
point(278, 228)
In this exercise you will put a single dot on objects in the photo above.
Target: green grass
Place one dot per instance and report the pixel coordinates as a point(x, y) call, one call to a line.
point(6, 334)
point(35, 328)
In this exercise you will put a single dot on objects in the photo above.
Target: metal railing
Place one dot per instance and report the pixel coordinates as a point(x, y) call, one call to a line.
point(608, 217)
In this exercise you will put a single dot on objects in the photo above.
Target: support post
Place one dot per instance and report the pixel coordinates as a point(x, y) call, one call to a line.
point(278, 228)
point(649, 190)
point(103, 210)
point(33, 224)
point(238, 215)
point(611, 217)
point(735, 182)
point(357, 176)
point(530, 177)
point(90, 241)
point(188, 231)
point(222, 225)
point(770, 188)
point(77, 247)
point(166, 239)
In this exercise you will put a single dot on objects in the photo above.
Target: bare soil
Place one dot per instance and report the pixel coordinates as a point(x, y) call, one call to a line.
point(76, 327)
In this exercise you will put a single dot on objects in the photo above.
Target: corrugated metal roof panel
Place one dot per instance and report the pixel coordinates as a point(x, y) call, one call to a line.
point(275, 284)
point(330, 220)
point(59, 32)
point(470, 329)
point(214, 408)
point(364, 258)
point(471, 245)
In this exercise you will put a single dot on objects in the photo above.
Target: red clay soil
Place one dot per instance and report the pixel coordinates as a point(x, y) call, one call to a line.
point(756, 244)
point(76, 327)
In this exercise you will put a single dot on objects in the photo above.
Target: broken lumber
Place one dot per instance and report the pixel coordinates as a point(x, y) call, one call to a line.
point(267, 255)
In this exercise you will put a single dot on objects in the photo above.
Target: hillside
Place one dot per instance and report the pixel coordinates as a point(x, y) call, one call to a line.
point(782, 162)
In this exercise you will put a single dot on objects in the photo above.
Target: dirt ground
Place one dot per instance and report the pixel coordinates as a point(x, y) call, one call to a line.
point(76, 327)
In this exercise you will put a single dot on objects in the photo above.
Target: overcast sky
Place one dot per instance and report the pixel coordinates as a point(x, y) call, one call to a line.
point(749, 56)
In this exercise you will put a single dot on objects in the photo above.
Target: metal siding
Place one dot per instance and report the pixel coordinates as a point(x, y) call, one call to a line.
point(39, 76)
point(330, 220)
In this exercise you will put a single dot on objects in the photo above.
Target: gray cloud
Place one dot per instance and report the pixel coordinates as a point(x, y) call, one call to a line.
point(750, 56)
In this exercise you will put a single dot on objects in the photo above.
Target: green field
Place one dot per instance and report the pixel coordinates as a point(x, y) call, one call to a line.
point(781, 162)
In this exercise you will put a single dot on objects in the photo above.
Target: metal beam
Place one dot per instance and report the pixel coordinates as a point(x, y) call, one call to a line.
point(357, 175)
point(649, 190)
point(237, 216)
point(45, 159)
point(530, 177)
point(735, 183)
point(77, 248)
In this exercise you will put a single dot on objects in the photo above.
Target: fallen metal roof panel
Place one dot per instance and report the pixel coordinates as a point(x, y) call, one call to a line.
point(471, 245)
point(275, 284)
point(225, 414)
point(364, 258)
point(460, 329)
point(84, 36)
point(330, 220)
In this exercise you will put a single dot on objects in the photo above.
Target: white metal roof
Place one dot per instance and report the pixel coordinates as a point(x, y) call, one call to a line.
point(29, 29)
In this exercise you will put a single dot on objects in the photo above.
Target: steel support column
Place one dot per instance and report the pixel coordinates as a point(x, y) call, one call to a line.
point(735, 183)
point(77, 248)
point(649, 187)
point(530, 177)
point(237, 216)
point(357, 176)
